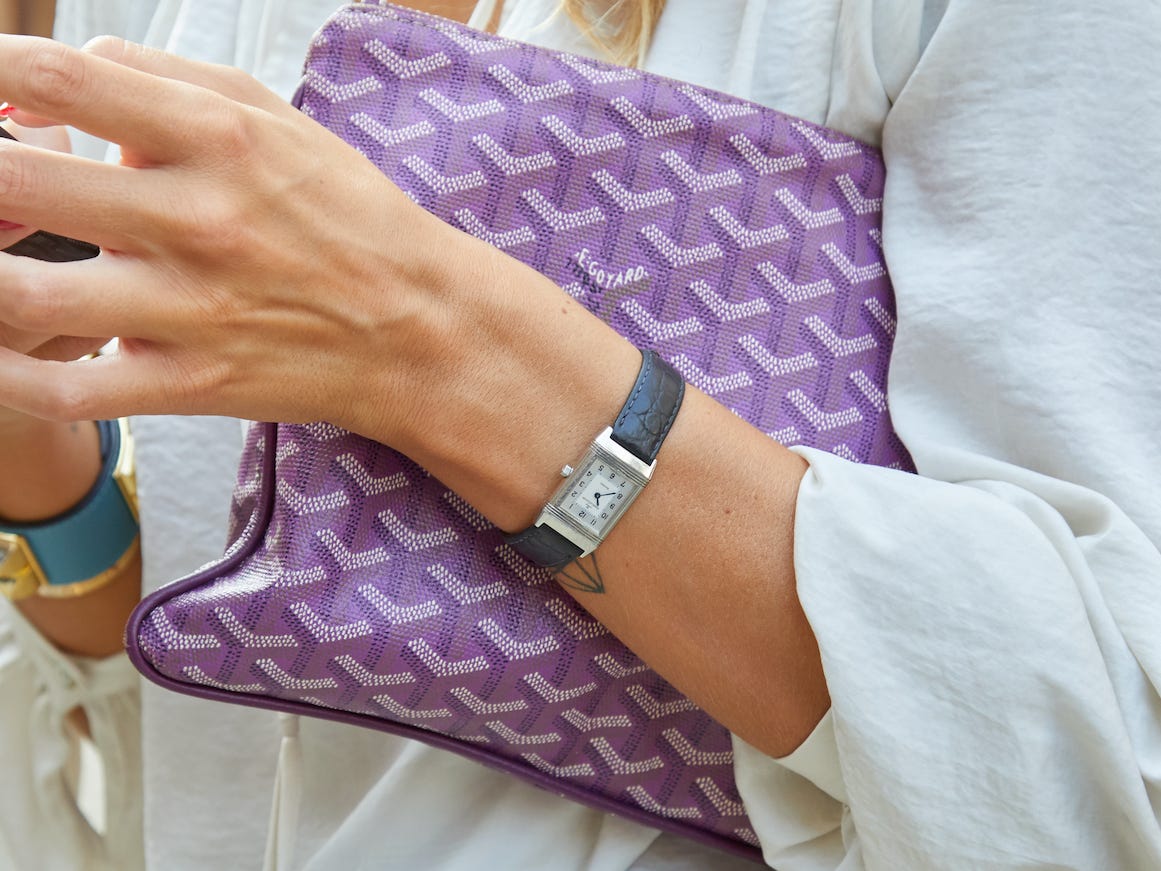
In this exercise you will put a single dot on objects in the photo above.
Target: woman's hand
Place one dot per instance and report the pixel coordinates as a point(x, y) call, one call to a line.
point(47, 467)
point(39, 345)
point(253, 264)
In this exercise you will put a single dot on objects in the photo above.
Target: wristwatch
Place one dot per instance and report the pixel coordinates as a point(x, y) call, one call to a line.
point(599, 489)
point(86, 547)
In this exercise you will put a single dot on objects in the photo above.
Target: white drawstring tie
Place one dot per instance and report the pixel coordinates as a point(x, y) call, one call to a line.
point(287, 804)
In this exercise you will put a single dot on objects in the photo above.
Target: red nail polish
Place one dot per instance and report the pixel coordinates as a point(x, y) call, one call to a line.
point(6, 110)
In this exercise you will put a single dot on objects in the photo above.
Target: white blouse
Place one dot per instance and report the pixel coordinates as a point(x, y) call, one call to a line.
point(989, 628)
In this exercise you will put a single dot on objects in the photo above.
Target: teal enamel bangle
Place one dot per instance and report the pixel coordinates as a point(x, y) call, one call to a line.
point(84, 548)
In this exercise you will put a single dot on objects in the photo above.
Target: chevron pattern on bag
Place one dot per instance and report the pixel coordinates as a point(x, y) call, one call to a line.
point(741, 244)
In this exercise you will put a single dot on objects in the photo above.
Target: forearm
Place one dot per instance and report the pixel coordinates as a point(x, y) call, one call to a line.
point(48, 467)
point(698, 578)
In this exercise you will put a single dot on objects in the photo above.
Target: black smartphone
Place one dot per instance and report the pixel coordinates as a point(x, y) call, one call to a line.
point(43, 245)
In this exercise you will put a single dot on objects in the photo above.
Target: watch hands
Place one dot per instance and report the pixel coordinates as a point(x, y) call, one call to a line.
point(597, 497)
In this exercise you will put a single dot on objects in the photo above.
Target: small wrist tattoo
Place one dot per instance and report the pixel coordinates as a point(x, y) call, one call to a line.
point(583, 576)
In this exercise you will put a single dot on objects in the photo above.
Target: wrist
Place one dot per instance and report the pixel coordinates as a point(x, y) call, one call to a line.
point(521, 383)
point(19, 430)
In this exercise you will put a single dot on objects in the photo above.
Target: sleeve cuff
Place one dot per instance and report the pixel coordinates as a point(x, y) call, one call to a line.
point(816, 759)
point(796, 803)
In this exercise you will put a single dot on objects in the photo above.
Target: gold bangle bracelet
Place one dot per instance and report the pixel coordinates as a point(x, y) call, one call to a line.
point(91, 585)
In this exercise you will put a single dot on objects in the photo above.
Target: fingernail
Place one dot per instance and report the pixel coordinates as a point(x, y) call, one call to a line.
point(6, 110)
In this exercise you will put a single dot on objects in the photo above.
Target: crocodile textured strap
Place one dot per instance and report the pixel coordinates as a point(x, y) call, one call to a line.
point(651, 408)
point(546, 547)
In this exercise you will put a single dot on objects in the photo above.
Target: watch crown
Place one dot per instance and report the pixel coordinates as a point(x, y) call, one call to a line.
point(566, 471)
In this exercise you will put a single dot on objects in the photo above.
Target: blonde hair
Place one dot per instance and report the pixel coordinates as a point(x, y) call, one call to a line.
point(623, 29)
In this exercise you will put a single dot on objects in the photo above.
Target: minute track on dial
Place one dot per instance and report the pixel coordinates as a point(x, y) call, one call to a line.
point(597, 490)
point(606, 470)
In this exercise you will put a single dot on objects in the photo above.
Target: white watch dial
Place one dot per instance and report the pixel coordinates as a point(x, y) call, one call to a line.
point(596, 493)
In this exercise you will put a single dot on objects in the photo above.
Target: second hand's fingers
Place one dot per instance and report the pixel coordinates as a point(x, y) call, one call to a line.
point(149, 114)
point(110, 295)
point(65, 348)
point(22, 341)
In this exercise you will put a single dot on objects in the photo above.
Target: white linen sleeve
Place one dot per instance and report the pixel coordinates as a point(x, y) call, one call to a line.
point(989, 651)
point(41, 825)
point(990, 629)
point(993, 659)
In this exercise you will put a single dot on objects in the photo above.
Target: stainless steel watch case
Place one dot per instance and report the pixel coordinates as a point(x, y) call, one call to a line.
point(602, 449)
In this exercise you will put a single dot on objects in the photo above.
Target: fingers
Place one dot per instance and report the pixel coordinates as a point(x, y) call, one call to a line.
point(76, 197)
point(146, 113)
point(227, 81)
point(20, 340)
point(109, 295)
point(100, 388)
point(10, 234)
point(26, 120)
point(49, 348)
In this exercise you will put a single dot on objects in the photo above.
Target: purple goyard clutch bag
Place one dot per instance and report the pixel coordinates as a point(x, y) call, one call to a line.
point(740, 244)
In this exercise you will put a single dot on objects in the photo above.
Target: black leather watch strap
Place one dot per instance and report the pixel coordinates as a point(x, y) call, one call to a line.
point(649, 412)
point(545, 547)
